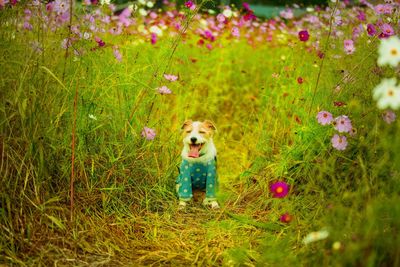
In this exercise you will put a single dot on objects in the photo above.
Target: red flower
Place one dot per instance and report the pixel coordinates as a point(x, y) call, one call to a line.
point(286, 218)
point(304, 36)
point(300, 80)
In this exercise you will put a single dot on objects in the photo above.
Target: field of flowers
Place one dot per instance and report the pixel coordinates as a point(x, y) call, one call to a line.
point(93, 96)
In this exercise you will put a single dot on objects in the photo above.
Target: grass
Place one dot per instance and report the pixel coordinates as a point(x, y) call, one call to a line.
point(125, 210)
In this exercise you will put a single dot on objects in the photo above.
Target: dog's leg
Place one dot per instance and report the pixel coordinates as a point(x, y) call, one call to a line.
point(211, 186)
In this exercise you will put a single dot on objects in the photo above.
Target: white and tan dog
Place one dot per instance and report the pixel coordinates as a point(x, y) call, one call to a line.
point(198, 167)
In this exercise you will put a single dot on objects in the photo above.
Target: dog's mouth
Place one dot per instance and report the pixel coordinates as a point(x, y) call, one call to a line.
point(194, 151)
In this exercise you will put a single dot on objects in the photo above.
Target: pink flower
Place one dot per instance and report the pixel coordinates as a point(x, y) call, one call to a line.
point(148, 133)
point(343, 124)
point(153, 38)
point(389, 116)
point(235, 32)
point(221, 18)
point(100, 42)
point(379, 9)
point(324, 117)
point(286, 218)
point(339, 142)
point(163, 90)
point(304, 36)
point(361, 15)
point(349, 47)
point(171, 77)
point(117, 54)
point(387, 30)
point(279, 189)
point(3, 3)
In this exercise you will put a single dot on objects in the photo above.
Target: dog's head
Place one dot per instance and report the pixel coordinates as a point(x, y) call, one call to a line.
point(197, 137)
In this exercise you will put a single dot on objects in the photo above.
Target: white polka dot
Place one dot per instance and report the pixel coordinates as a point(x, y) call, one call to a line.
point(197, 170)
point(186, 167)
point(191, 164)
point(186, 179)
point(204, 174)
point(185, 190)
point(197, 179)
point(209, 175)
point(210, 185)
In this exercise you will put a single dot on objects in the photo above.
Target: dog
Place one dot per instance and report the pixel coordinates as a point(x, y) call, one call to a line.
point(198, 169)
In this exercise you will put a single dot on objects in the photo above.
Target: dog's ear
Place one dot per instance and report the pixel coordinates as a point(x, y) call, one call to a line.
point(210, 125)
point(186, 124)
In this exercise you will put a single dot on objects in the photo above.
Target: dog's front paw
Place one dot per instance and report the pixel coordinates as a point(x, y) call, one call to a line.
point(211, 203)
point(182, 204)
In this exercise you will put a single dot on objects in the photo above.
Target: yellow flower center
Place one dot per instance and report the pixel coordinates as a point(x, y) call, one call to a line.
point(279, 189)
point(390, 93)
point(393, 52)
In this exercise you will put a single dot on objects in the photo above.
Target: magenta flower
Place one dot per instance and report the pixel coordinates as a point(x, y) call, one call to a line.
point(286, 218)
point(163, 90)
point(100, 42)
point(324, 117)
point(388, 9)
point(387, 30)
point(349, 47)
point(153, 38)
point(343, 124)
point(279, 189)
point(389, 116)
point(361, 16)
point(304, 35)
point(339, 142)
point(171, 77)
point(189, 4)
point(371, 29)
point(148, 133)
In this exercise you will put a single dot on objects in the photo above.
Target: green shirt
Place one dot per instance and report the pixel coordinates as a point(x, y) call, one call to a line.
point(200, 175)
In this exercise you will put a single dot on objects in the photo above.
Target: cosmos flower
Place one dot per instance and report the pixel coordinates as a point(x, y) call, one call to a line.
point(117, 54)
point(279, 189)
point(171, 77)
point(339, 142)
point(286, 218)
point(235, 32)
point(389, 51)
point(304, 35)
point(163, 90)
point(189, 4)
point(387, 94)
point(100, 42)
point(349, 47)
point(315, 236)
point(61, 6)
point(379, 9)
point(389, 116)
point(148, 133)
point(371, 29)
point(324, 117)
point(387, 30)
point(343, 124)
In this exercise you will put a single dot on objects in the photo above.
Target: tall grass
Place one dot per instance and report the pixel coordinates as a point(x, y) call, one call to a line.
point(125, 205)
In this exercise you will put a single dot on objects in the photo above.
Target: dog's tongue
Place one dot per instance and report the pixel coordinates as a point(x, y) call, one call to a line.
point(194, 151)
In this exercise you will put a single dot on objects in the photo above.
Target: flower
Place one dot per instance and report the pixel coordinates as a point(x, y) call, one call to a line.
point(148, 133)
point(343, 124)
point(315, 236)
point(100, 42)
point(93, 117)
point(336, 245)
point(164, 90)
point(235, 32)
point(300, 80)
point(379, 9)
point(171, 77)
point(339, 142)
point(349, 47)
point(371, 29)
point(387, 30)
point(189, 4)
point(117, 54)
point(389, 51)
point(324, 117)
point(61, 6)
point(387, 94)
point(286, 218)
point(389, 116)
point(279, 189)
point(304, 35)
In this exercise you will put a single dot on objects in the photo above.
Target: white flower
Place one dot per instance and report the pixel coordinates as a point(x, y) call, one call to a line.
point(104, 2)
point(389, 51)
point(142, 12)
point(93, 117)
point(227, 13)
point(387, 94)
point(315, 236)
point(149, 4)
point(156, 30)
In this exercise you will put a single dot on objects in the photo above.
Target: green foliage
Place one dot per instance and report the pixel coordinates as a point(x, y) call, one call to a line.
point(125, 204)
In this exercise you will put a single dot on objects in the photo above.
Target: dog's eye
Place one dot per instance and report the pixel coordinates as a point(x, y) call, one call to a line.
point(202, 132)
point(188, 131)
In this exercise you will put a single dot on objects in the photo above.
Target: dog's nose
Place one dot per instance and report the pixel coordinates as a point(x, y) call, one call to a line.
point(193, 139)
